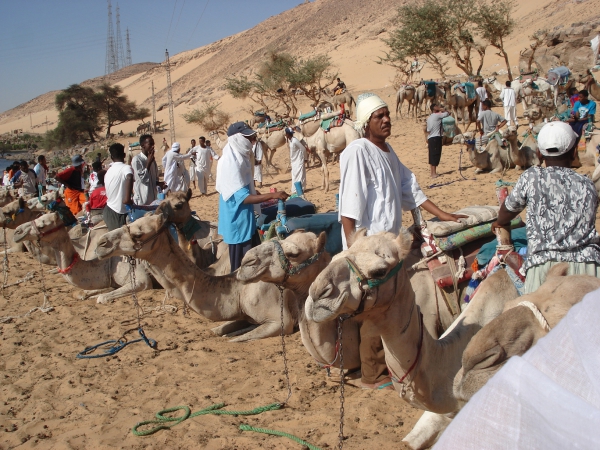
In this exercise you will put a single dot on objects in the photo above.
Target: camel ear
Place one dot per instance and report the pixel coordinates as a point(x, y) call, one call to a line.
point(321, 241)
point(484, 360)
point(188, 195)
point(162, 219)
point(22, 203)
point(559, 270)
point(361, 232)
point(404, 241)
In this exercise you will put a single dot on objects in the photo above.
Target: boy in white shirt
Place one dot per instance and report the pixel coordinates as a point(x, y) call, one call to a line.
point(119, 189)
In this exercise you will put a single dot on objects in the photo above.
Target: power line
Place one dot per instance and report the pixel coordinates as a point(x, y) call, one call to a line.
point(199, 19)
point(171, 23)
point(111, 63)
point(120, 56)
point(128, 60)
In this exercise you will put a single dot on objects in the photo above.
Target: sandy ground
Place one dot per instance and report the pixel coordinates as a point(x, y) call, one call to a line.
point(50, 399)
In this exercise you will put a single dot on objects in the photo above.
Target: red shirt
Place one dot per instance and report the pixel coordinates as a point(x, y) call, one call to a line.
point(97, 199)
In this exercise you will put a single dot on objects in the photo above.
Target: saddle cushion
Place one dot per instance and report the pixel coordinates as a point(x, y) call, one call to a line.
point(316, 223)
point(294, 207)
point(307, 115)
point(477, 215)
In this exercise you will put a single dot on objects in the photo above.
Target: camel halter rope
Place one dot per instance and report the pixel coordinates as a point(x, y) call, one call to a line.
point(365, 284)
point(289, 269)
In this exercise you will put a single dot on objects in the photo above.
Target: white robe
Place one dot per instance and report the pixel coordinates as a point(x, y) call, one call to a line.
point(375, 187)
point(176, 177)
point(202, 167)
point(297, 155)
point(258, 156)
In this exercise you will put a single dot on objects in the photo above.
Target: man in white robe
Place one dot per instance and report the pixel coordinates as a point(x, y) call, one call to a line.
point(215, 157)
point(145, 171)
point(202, 167)
point(257, 149)
point(481, 93)
point(192, 170)
point(297, 155)
point(374, 189)
point(177, 177)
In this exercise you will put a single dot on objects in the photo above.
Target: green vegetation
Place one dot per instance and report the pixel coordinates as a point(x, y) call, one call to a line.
point(444, 31)
point(209, 117)
point(83, 113)
point(281, 78)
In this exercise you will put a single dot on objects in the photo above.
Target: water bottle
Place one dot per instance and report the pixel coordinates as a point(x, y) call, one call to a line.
point(299, 190)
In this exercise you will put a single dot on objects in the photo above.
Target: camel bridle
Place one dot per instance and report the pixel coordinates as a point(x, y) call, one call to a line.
point(287, 266)
point(137, 244)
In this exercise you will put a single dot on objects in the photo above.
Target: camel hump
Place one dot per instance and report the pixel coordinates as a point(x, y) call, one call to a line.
point(559, 270)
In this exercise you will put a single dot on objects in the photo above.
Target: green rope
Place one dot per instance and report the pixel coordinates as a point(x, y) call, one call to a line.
point(244, 427)
point(165, 422)
point(501, 183)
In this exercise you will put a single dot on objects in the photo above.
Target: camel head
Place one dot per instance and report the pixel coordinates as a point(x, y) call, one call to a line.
point(276, 261)
point(359, 279)
point(39, 204)
point(42, 228)
point(15, 213)
point(510, 133)
point(176, 207)
point(138, 238)
point(533, 113)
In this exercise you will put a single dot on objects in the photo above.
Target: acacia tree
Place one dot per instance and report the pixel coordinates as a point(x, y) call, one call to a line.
point(495, 24)
point(116, 107)
point(538, 39)
point(440, 31)
point(209, 117)
point(279, 79)
point(79, 115)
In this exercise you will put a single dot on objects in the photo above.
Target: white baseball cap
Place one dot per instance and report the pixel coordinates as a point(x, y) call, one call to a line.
point(556, 138)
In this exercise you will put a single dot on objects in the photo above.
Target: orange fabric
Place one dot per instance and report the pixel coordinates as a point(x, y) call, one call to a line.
point(74, 200)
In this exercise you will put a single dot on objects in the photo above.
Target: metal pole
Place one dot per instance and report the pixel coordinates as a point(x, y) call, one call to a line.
point(170, 98)
point(153, 110)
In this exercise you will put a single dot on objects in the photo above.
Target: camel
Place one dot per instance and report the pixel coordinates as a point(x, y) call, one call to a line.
point(95, 276)
point(205, 248)
point(255, 120)
point(590, 156)
point(143, 127)
point(590, 84)
point(6, 196)
point(271, 141)
point(493, 157)
point(324, 143)
point(458, 100)
point(551, 92)
point(407, 93)
point(345, 98)
point(370, 281)
point(216, 298)
point(524, 156)
point(525, 94)
point(421, 96)
point(518, 328)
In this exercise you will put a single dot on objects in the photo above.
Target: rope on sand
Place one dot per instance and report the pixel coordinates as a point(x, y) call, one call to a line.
point(245, 427)
point(120, 344)
point(164, 422)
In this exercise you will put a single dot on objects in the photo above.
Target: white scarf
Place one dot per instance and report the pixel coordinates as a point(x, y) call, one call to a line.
point(234, 170)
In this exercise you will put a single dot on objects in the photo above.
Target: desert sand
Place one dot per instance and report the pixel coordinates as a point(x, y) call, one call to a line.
point(51, 399)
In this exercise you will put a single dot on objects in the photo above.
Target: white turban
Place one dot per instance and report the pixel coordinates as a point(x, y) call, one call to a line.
point(175, 147)
point(366, 104)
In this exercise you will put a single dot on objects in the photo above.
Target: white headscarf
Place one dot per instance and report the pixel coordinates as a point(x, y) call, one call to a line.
point(366, 104)
point(234, 170)
point(175, 147)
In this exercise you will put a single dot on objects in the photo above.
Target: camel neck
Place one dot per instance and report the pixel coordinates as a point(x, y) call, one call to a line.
point(63, 247)
point(216, 298)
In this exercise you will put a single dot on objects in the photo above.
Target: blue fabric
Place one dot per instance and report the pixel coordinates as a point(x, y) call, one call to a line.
point(294, 207)
point(591, 107)
point(487, 251)
point(236, 220)
point(470, 90)
point(15, 177)
point(431, 88)
point(316, 223)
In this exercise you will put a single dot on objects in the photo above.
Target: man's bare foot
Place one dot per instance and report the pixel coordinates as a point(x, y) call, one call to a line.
point(434, 175)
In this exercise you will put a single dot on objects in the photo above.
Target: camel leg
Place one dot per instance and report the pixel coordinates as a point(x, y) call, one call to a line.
point(325, 176)
point(228, 328)
point(94, 292)
point(427, 430)
point(269, 329)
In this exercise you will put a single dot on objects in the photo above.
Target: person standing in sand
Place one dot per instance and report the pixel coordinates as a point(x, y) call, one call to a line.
point(237, 196)
point(202, 166)
point(375, 187)
point(145, 172)
point(481, 93)
point(192, 168)
point(215, 157)
point(297, 155)
point(177, 178)
point(434, 133)
point(118, 182)
point(509, 99)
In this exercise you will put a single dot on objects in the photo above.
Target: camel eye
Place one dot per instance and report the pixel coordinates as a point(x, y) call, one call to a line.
point(379, 273)
point(293, 253)
point(137, 235)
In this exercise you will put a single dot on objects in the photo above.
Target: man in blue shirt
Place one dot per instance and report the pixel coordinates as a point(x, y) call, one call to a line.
point(583, 112)
point(237, 196)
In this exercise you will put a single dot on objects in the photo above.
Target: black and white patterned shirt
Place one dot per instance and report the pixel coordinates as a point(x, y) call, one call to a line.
point(561, 214)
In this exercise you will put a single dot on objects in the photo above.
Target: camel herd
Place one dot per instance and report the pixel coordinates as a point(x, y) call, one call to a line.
point(438, 356)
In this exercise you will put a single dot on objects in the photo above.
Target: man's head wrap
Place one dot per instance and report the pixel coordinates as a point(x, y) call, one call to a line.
point(366, 105)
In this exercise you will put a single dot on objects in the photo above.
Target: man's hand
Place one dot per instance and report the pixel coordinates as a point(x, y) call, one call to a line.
point(495, 227)
point(447, 217)
point(280, 195)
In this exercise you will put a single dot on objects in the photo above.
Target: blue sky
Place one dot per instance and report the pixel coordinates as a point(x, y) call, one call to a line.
point(49, 44)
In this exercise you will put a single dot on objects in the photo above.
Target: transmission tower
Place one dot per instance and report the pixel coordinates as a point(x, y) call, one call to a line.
point(128, 57)
point(119, 43)
point(111, 56)
point(170, 98)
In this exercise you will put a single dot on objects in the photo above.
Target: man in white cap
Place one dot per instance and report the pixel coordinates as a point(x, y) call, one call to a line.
point(374, 189)
point(177, 178)
point(297, 156)
point(237, 195)
point(561, 210)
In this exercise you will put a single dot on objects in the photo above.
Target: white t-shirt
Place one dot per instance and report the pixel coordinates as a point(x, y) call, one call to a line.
point(40, 173)
point(482, 93)
point(375, 187)
point(114, 181)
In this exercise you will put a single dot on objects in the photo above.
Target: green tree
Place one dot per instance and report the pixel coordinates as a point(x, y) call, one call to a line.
point(495, 24)
point(438, 31)
point(116, 108)
point(280, 78)
point(209, 117)
point(78, 117)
